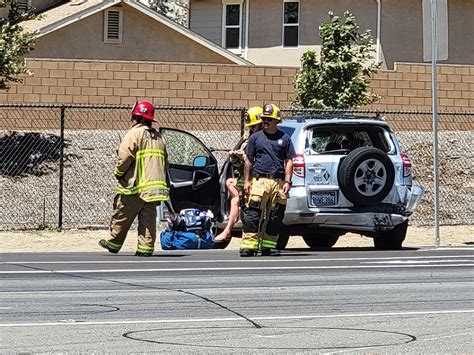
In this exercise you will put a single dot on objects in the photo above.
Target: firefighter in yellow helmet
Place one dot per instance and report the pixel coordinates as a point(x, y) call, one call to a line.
point(267, 173)
point(141, 171)
point(234, 185)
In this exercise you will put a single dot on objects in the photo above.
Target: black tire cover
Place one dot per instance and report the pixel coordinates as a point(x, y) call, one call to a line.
point(370, 165)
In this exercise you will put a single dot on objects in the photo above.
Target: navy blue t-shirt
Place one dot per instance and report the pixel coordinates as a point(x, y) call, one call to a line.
point(270, 152)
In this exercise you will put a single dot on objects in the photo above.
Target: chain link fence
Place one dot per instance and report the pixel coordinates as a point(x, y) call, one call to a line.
point(48, 184)
point(56, 161)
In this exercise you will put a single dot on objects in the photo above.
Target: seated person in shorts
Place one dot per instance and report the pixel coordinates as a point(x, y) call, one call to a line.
point(235, 185)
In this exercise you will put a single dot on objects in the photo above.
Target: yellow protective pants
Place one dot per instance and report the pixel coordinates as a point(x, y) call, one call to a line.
point(127, 208)
point(262, 215)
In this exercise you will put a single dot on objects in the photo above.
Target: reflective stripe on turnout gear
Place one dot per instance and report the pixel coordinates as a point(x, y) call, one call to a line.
point(144, 185)
point(249, 244)
point(118, 173)
point(113, 246)
point(269, 244)
point(145, 249)
point(142, 171)
point(149, 185)
point(263, 213)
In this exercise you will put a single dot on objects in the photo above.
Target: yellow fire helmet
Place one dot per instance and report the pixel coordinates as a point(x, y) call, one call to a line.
point(271, 111)
point(252, 116)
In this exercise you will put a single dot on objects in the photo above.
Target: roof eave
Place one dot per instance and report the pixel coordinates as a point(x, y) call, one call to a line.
point(76, 17)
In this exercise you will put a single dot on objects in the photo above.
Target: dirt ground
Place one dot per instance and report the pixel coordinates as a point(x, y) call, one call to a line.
point(86, 240)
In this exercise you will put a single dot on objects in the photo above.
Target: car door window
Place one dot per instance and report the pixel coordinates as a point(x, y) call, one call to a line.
point(183, 148)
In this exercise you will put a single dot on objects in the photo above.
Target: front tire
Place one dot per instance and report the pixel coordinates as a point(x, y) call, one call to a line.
point(320, 241)
point(392, 239)
point(283, 238)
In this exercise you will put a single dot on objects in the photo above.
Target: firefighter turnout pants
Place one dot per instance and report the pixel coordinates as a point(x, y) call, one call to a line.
point(127, 208)
point(262, 214)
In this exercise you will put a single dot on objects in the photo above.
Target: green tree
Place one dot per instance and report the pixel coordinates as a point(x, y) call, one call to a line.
point(178, 12)
point(15, 43)
point(340, 79)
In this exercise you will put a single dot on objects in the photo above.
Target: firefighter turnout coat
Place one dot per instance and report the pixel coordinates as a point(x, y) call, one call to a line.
point(142, 165)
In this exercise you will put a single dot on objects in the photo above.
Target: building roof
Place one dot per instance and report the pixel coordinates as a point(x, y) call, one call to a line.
point(76, 10)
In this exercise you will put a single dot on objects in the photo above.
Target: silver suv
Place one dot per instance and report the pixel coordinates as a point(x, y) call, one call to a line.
point(350, 175)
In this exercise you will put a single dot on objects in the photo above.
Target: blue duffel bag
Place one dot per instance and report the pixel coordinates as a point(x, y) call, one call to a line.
point(181, 240)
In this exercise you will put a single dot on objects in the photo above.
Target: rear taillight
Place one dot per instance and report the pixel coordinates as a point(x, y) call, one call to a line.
point(298, 166)
point(407, 164)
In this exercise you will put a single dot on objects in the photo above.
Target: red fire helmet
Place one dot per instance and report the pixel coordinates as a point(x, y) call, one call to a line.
point(144, 109)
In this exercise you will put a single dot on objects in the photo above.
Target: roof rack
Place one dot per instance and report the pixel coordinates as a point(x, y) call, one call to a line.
point(329, 116)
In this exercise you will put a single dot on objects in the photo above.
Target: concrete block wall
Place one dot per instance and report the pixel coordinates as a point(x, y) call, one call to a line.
point(407, 87)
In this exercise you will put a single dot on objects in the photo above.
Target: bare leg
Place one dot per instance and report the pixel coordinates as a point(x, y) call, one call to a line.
point(233, 214)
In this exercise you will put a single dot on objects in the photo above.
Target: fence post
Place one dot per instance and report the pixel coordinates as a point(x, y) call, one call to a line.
point(61, 169)
point(242, 113)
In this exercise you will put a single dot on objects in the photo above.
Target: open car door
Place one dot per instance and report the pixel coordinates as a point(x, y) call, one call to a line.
point(193, 172)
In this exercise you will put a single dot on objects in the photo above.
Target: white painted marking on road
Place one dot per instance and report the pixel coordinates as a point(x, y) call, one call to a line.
point(262, 268)
point(417, 261)
point(448, 248)
point(254, 288)
point(257, 260)
point(231, 319)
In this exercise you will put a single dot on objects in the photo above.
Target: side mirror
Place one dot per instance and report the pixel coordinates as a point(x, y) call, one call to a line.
point(200, 161)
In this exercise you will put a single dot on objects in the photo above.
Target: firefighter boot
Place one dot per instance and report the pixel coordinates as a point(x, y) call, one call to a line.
point(247, 252)
point(141, 253)
point(270, 252)
point(104, 244)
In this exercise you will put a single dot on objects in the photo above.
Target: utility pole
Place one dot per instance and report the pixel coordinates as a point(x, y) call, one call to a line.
point(434, 93)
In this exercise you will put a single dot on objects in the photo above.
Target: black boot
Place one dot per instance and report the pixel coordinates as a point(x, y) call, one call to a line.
point(103, 243)
point(270, 252)
point(247, 252)
point(141, 253)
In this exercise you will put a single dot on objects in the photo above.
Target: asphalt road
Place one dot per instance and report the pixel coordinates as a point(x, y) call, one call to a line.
point(357, 301)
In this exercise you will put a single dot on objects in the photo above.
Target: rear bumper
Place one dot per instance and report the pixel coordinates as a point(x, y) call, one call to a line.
point(364, 222)
point(383, 216)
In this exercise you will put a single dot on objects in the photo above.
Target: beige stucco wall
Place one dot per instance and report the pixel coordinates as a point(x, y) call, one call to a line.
point(143, 39)
point(265, 44)
point(401, 29)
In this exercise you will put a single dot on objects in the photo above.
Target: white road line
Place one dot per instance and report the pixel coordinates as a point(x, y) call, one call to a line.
point(417, 261)
point(169, 288)
point(261, 268)
point(198, 320)
point(448, 248)
point(257, 260)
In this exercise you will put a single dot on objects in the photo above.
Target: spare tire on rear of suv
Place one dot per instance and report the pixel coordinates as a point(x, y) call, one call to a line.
point(366, 176)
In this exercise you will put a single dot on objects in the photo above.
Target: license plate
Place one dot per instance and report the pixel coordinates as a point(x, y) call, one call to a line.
point(323, 198)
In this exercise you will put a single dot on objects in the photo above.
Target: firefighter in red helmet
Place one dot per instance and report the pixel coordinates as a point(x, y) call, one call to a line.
point(141, 171)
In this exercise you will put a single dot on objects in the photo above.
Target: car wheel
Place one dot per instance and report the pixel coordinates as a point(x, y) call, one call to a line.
point(320, 241)
point(366, 176)
point(283, 238)
point(391, 240)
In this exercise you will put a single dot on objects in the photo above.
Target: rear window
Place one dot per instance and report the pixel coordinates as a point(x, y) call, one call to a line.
point(330, 138)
